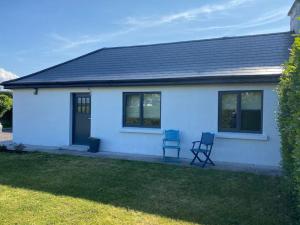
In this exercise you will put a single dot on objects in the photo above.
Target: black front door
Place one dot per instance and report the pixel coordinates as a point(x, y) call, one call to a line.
point(81, 118)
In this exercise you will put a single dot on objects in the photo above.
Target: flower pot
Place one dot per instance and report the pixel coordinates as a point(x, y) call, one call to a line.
point(94, 144)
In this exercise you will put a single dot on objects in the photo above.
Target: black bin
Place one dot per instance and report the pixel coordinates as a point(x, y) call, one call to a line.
point(94, 144)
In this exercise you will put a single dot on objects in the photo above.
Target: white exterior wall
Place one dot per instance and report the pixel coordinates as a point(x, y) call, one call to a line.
point(42, 119)
point(45, 119)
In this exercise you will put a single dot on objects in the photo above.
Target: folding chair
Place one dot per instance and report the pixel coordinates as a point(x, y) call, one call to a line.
point(207, 140)
point(171, 141)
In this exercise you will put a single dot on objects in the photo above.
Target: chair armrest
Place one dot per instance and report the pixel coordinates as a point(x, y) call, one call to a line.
point(194, 144)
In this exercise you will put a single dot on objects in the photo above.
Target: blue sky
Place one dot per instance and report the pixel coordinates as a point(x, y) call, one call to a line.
point(37, 34)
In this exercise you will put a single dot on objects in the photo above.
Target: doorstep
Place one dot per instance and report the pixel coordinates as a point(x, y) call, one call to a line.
point(82, 148)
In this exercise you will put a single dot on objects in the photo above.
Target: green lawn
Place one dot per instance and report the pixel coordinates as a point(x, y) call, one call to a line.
point(38, 188)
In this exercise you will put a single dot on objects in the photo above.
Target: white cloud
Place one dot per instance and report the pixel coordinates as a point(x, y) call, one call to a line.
point(133, 24)
point(67, 43)
point(184, 15)
point(268, 18)
point(6, 75)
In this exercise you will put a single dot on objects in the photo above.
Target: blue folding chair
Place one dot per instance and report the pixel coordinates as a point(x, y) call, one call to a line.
point(207, 141)
point(171, 141)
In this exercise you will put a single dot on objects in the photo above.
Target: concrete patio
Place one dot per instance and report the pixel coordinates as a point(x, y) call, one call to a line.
point(6, 139)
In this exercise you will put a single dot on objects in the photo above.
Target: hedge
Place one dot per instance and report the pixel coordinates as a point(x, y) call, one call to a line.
point(289, 125)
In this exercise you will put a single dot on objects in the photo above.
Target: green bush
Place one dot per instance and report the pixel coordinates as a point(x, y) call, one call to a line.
point(5, 104)
point(6, 119)
point(289, 125)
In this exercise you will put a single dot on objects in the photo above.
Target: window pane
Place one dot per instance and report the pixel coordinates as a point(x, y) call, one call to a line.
point(251, 111)
point(229, 111)
point(83, 105)
point(87, 105)
point(79, 104)
point(133, 116)
point(151, 110)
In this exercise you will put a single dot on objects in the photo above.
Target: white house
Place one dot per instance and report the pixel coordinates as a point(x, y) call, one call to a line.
point(127, 96)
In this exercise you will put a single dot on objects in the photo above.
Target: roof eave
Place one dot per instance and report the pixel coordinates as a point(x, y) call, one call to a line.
point(151, 82)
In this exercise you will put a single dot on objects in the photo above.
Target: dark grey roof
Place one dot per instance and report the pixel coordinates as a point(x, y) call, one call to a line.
point(210, 59)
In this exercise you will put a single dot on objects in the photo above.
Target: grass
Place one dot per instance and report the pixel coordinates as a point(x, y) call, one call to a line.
point(38, 188)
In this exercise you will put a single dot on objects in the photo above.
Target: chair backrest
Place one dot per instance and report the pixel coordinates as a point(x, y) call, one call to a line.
point(172, 135)
point(207, 139)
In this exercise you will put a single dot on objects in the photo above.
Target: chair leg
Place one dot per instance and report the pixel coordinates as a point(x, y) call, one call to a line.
point(199, 158)
point(195, 156)
point(193, 160)
point(164, 153)
point(205, 162)
point(211, 162)
point(178, 153)
point(207, 159)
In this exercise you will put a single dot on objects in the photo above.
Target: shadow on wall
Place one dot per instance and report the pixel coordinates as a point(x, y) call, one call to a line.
point(189, 194)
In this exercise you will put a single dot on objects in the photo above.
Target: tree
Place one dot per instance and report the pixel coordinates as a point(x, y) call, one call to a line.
point(5, 104)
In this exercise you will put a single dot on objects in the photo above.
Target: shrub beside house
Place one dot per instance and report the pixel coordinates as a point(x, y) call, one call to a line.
point(289, 124)
point(5, 100)
point(5, 110)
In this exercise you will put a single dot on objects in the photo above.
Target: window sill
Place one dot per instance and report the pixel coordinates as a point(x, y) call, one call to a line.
point(242, 136)
point(141, 130)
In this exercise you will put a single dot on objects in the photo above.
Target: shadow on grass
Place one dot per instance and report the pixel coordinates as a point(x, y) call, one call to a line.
point(189, 194)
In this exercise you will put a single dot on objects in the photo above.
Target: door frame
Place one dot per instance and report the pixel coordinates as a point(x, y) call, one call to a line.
point(73, 99)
